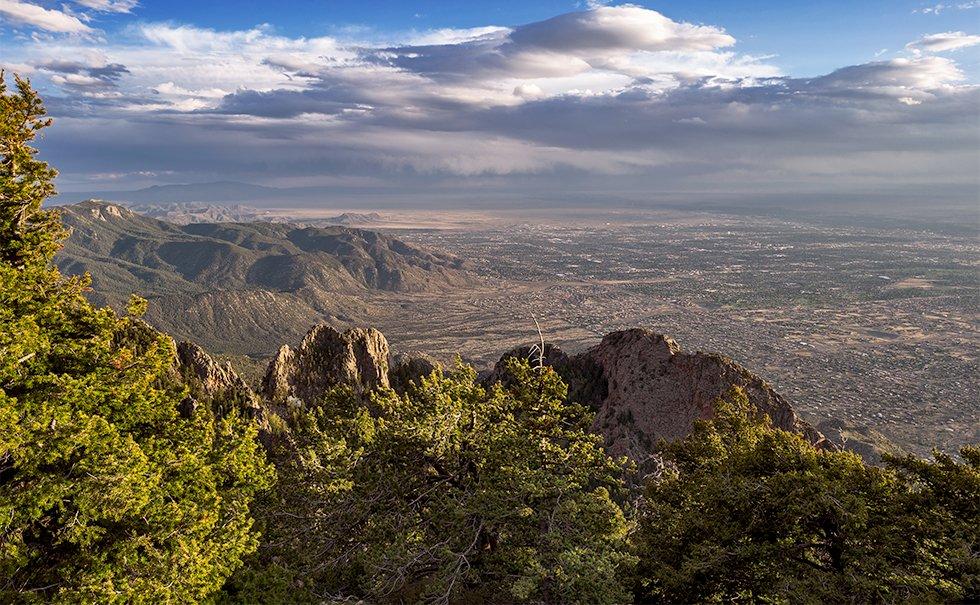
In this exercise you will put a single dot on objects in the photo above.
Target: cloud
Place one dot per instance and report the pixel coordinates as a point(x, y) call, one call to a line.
point(943, 42)
point(618, 96)
point(43, 18)
point(85, 76)
point(627, 40)
point(455, 36)
point(626, 27)
point(920, 76)
point(936, 9)
point(109, 6)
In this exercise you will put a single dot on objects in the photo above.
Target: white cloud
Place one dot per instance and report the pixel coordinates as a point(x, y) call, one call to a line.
point(171, 89)
point(43, 18)
point(628, 40)
point(528, 91)
point(942, 42)
point(454, 36)
point(22, 69)
point(620, 91)
point(936, 9)
point(109, 6)
point(892, 78)
point(624, 27)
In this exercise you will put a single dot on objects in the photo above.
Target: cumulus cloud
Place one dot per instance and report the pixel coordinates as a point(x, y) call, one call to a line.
point(614, 94)
point(943, 42)
point(918, 77)
point(52, 20)
point(625, 27)
point(627, 40)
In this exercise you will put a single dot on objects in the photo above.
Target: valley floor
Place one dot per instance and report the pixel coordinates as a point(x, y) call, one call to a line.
point(859, 326)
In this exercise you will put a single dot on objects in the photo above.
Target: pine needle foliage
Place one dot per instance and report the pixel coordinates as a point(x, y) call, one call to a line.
point(107, 494)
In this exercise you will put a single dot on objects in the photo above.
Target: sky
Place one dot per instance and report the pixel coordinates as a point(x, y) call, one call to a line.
point(486, 102)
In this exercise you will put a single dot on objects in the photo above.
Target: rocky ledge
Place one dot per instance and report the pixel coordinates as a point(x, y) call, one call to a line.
point(641, 385)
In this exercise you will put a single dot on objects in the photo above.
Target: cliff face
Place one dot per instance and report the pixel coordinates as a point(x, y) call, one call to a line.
point(215, 384)
point(656, 390)
point(644, 388)
point(326, 358)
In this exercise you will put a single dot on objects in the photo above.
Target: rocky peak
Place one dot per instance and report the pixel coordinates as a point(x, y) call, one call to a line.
point(102, 210)
point(644, 387)
point(216, 383)
point(326, 358)
point(657, 391)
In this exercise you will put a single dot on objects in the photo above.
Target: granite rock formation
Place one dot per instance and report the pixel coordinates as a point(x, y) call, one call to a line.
point(644, 388)
point(326, 358)
point(215, 383)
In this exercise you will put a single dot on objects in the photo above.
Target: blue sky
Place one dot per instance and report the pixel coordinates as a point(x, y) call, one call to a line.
point(492, 98)
point(809, 37)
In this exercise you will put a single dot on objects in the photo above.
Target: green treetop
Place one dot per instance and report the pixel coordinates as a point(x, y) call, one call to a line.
point(450, 493)
point(744, 511)
point(106, 493)
point(27, 233)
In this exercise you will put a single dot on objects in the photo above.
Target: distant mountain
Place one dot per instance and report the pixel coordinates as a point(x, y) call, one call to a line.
point(355, 218)
point(218, 191)
point(183, 213)
point(245, 287)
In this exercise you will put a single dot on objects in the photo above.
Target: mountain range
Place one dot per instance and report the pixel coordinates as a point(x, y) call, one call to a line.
point(241, 286)
point(218, 191)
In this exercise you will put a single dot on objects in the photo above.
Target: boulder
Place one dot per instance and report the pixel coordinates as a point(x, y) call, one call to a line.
point(407, 368)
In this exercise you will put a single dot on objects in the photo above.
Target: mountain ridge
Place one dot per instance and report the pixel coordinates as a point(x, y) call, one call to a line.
point(245, 284)
point(641, 385)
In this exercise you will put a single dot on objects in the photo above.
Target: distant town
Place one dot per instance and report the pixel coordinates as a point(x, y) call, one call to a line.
point(860, 326)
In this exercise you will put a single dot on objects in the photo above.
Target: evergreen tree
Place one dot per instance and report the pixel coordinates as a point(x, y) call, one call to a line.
point(451, 493)
point(744, 511)
point(106, 493)
point(943, 504)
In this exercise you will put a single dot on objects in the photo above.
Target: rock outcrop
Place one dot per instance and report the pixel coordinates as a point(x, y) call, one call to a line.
point(326, 358)
point(644, 388)
point(641, 385)
point(586, 384)
point(407, 368)
point(657, 391)
point(215, 383)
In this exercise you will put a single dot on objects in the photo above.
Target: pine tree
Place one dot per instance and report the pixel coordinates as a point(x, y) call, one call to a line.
point(744, 511)
point(450, 493)
point(107, 494)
